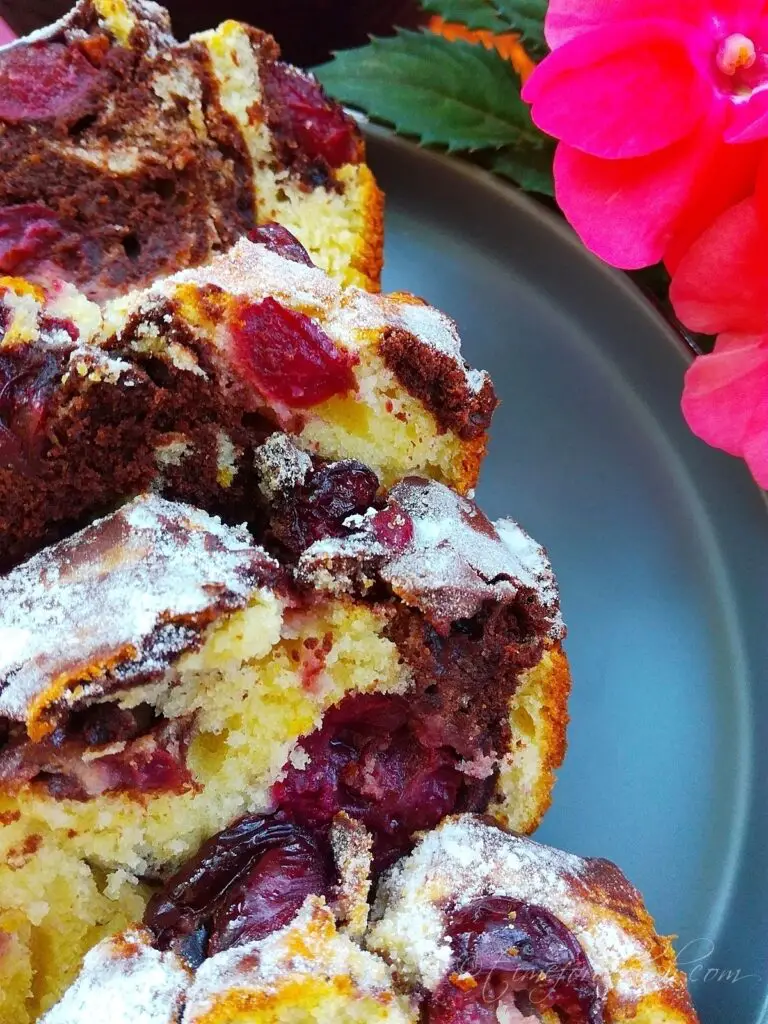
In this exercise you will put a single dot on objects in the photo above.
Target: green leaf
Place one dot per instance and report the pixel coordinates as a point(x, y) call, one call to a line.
point(455, 94)
point(527, 18)
point(472, 13)
point(530, 168)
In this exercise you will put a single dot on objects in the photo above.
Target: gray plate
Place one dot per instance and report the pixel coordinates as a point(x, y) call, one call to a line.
point(661, 548)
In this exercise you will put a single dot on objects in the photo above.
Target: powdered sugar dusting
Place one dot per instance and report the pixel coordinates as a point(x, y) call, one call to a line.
point(430, 325)
point(433, 328)
point(452, 564)
point(352, 846)
point(467, 859)
point(46, 32)
point(534, 569)
point(350, 316)
point(125, 980)
point(144, 9)
point(120, 600)
point(309, 946)
point(254, 271)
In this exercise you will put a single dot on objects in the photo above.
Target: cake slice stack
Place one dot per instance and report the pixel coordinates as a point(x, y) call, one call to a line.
point(391, 657)
point(242, 573)
point(257, 641)
point(476, 926)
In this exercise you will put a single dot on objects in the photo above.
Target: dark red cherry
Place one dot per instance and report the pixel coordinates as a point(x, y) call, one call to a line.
point(502, 946)
point(280, 240)
point(368, 760)
point(270, 895)
point(262, 865)
point(318, 508)
point(153, 770)
point(304, 118)
point(393, 528)
point(45, 80)
point(29, 379)
point(288, 357)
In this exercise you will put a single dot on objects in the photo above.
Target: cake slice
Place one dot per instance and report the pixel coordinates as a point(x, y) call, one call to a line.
point(126, 155)
point(489, 926)
point(162, 675)
point(476, 926)
point(173, 388)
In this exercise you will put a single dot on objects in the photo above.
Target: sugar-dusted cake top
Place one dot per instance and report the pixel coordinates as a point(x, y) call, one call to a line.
point(469, 859)
point(125, 980)
point(438, 551)
point(115, 604)
point(307, 965)
point(417, 342)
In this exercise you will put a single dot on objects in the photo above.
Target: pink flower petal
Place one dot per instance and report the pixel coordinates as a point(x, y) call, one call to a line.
point(626, 210)
point(761, 188)
point(6, 35)
point(621, 94)
point(567, 19)
point(725, 399)
point(730, 176)
point(722, 283)
point(748, 121)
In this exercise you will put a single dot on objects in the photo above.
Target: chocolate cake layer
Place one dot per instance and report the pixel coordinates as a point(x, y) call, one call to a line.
point(122, 156)
point(111, 172)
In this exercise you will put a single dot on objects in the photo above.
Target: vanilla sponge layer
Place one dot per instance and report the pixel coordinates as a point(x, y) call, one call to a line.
point(70, 871)
point(249, 715)
point(388, 429)
point(340, 227)
point(55, 908)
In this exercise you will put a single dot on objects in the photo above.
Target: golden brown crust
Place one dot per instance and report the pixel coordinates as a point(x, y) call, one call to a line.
point(539, 723)
point(468, 469)
point(368, 261)
point(308, 971)
point(604, 885)
point(672, 1006)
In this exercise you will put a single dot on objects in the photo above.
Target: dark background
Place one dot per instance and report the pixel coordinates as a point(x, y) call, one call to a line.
point(308, 30)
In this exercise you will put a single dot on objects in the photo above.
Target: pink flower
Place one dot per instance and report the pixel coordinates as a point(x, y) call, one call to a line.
point(725, 400)
point(5, 33)
point(659, 106)
point(721, 284)
point(721, 287)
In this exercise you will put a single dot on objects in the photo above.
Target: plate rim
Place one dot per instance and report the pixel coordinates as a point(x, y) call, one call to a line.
point(552, 224)
point(510, 194)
